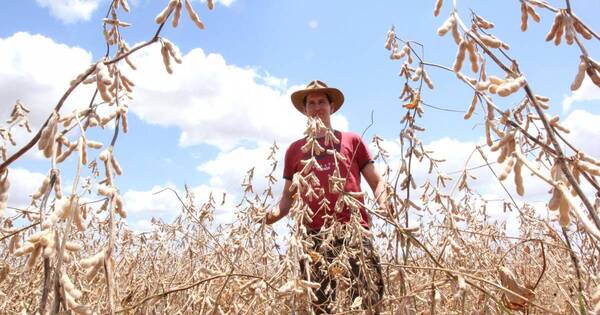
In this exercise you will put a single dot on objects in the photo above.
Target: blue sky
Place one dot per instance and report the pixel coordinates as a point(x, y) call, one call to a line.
point(215, 117)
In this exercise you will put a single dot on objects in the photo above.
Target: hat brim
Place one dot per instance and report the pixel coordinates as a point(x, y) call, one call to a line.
point(336, 96)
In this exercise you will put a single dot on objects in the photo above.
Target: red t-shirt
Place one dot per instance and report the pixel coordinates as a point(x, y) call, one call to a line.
point(350, 169)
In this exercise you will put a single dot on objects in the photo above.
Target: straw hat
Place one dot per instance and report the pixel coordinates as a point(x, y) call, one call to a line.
point(335, 96)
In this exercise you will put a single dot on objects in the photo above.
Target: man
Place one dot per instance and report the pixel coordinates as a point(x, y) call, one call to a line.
point(318, 100)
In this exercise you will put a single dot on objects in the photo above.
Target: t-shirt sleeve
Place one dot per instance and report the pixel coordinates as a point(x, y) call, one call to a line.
point(288, 163)
point(363, 155)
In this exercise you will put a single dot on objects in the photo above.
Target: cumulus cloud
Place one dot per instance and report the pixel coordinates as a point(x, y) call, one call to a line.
point(70, 11)
point(37, 70)
point(23, 183)
point(226, 3)
point(216, 103)
point(587, 92)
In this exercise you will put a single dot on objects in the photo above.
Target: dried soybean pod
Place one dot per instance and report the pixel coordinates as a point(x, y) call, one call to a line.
point(427, 80)
point(533, 14)
point(455, 33)
point(193, 15)
point(177, 14)
point(563, 212)
point(57, 184)
point(162, 16)
point(472, 107)
point(507, 168)
point(442, 30)
point(115, 164)
point(210, 4)
point(554, 27)
point(580, 75)
point(166, 59)
point(555, 201)
point(569, 29)
point(488, 137)
point(438, 7)
point(4, 186)
point(591, 72)
point(491, 41)
point(460, 56)
point(560, 30)
point(582, 30)
point(524, 16)
point(473, 56)
point(124, 5)
point(519, 178)
point(481, 22)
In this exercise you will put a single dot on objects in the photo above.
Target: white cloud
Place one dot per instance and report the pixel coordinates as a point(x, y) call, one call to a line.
point(37, 70)
point(215, 103)
point(226, 3)
point(23, 183)
point(585, 131)
point(70, 11)
point(313, 24)
point(587, 92)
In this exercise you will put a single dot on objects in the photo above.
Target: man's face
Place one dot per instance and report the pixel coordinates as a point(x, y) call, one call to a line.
point(317, 105)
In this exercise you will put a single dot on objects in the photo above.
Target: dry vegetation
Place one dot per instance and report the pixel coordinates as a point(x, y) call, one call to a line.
point(69, 252)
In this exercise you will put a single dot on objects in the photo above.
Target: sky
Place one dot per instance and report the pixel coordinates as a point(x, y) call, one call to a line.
point(217, 115)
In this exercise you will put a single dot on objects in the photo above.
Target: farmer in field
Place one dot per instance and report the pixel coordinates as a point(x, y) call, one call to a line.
point(320, 101)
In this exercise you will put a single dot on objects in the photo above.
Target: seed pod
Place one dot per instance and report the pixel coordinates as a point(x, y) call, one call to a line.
point(524, 16)
point(193, 15)
point(582, 30)
point(455, 33)
point(533, 14)
point(490, 41)
point(34, 256)
point(115, 164)
point(14, 243)
point(166, 58)
point(72, 246)
point(481, 22)
point(210, 4)
point(569, 29)
point(57, 184)
point(473, 56)
point(580, 75)
point(563, 212)
point(173, 52)
point(437, 7)
point(507, 168)
point(560, 31)
point(49, 131)
point(65, 154)
point(555, 26)
point(556, 199)
point(119, 207)
point(427, 80)
point(162, 16)
point(593, 74)
point(488, 137)
point(442, 30)
point(43, 188)
point(4, 186)
point(460, 56)
point(472, 107)
point(124, 5)
point(519, 178)
point(177, 14)
point(482, 85)
point(93, 260)
point(390, 39)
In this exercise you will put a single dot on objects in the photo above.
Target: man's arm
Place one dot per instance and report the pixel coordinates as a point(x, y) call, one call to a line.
point(377, 185)
point(284, 204)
